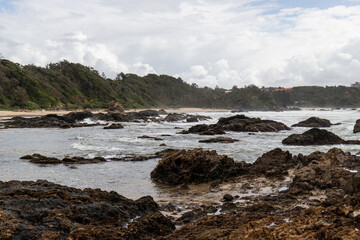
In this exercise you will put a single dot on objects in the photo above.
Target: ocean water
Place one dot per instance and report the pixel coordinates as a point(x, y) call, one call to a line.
point(132, 179)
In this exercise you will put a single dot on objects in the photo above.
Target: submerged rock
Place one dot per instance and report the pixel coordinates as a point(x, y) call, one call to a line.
point(238, 123)
point(219, 140)
point(114, 126)
point(316, 136)
point(44, 210)
point(314, 122)
point(195, 166)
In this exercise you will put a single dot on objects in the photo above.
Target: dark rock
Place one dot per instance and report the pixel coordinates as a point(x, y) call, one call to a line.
point(195, 166)
point(314, 122)
point(177, 117)
point(40, 159)
point(219, 140)
point(114, 126)
point(357, 126)
point(51, 121)
point(134, 158)
point(204, 129)
point(316, 136)
point(274, 164)
point(44, 210)
point(237, 123)
point(148, 137)
point(333, 170)
point(228, 198)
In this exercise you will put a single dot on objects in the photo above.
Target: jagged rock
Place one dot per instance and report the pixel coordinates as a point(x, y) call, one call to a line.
point(357, 126)
point(115, 106)
point(274, 164)
point(316, 136)
point(195, 166)
point(44, 210)
point(334, 169)
point(314, 122)
point(238, 123)
point(219, 140)
point(114, 126)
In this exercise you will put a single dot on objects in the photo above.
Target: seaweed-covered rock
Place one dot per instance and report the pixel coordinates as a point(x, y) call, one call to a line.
point(196, 166)
point(314, 122)
point(44, 210)
point(238, 123)
point(316, 136)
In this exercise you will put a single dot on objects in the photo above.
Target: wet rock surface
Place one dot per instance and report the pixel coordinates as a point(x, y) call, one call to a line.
point(316, 136)
point(321, 202)
point(177, 117)
point(357, 126)
point(314, 122)
point(219, 140)
point(44, 210)
point(195, 166)
point(237, 123)
point(114, 126)
point(40, 159)
point(74, 119)
point(69, 120)
point(313, 197)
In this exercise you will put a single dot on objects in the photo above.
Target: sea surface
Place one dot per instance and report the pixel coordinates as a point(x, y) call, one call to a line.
point(132, 179)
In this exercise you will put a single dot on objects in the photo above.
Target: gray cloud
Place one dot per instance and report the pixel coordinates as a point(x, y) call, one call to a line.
point(209, 42)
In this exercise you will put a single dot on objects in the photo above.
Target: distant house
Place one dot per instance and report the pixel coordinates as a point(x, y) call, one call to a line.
point(283, 89)
point(228, 91)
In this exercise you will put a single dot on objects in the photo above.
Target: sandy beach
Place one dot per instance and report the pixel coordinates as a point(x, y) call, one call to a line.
point(6, 114)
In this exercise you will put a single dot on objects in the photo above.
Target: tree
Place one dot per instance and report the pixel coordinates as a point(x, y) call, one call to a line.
point(1, 56)
point(120, 76)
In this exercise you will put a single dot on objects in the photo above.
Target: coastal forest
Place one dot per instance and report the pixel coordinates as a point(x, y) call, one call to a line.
point(71, 85)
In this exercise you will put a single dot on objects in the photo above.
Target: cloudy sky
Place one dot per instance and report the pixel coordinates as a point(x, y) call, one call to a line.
point(208, 42)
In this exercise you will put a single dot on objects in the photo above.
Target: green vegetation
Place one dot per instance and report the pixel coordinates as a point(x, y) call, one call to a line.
point(71, 85)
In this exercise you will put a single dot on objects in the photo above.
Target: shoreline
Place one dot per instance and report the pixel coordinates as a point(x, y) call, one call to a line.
point(33, 113)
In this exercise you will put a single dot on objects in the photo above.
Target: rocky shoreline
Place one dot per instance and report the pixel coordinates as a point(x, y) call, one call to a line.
point(280, 195)
point(211, 196)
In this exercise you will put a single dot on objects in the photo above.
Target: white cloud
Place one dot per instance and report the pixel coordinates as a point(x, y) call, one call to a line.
point(209, 42)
